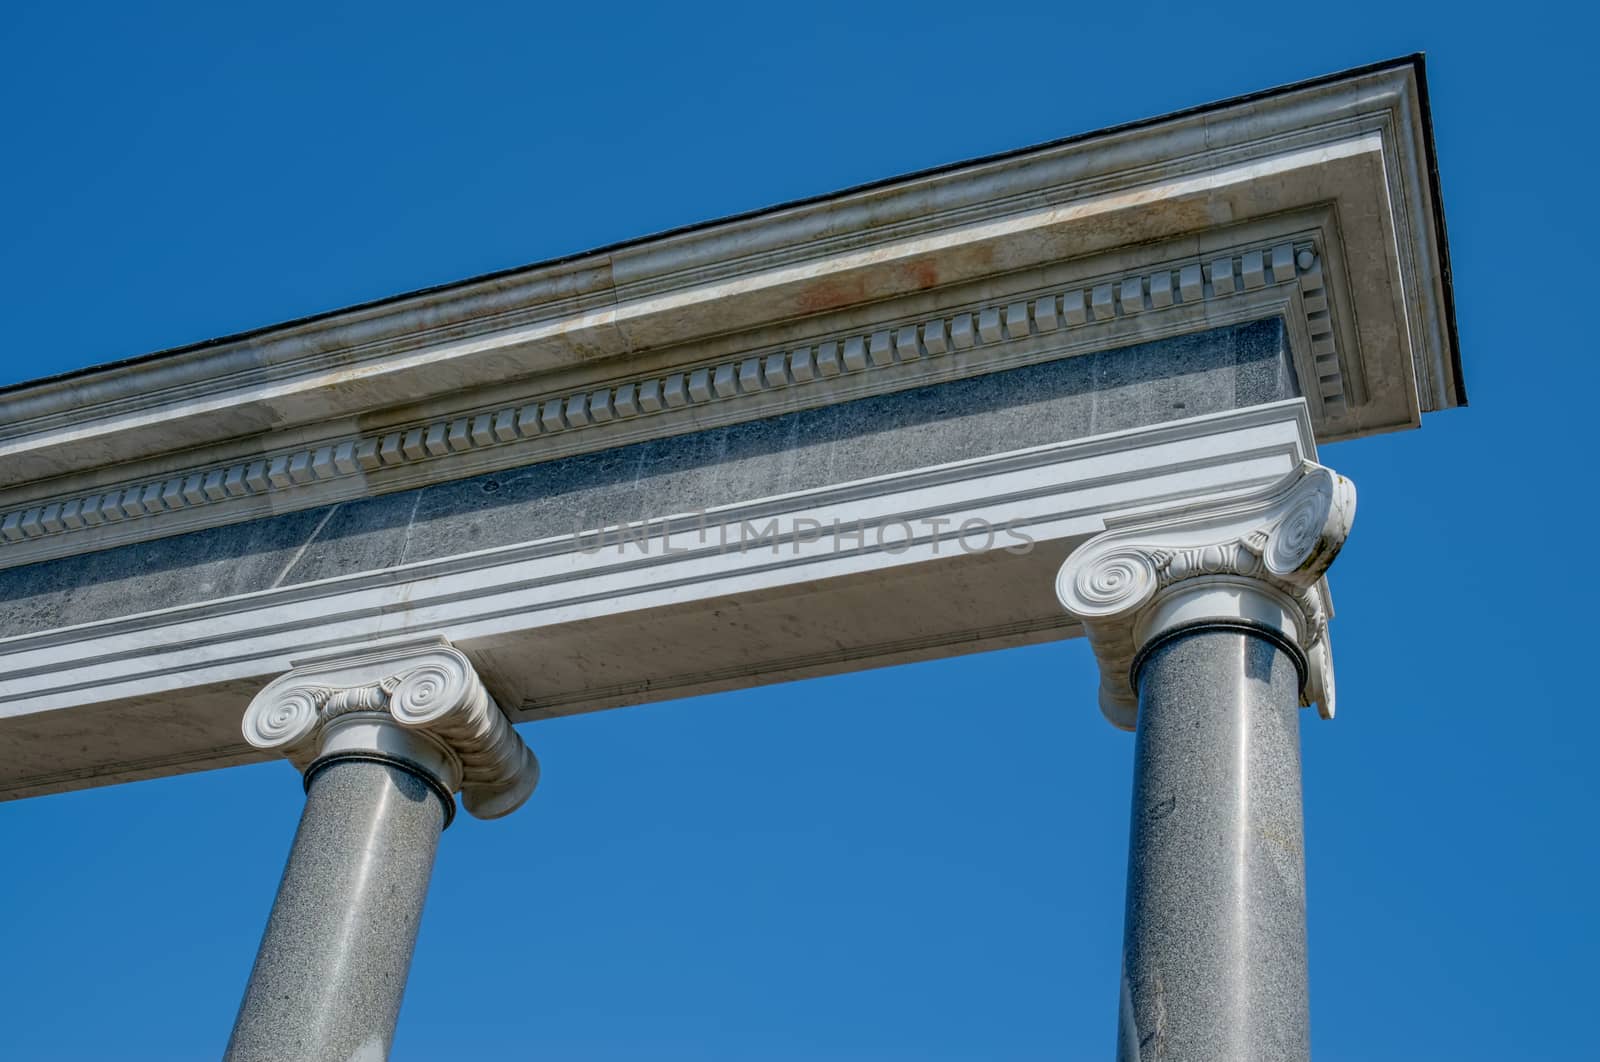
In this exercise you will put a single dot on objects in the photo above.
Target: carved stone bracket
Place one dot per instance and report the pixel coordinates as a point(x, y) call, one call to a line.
point(421, 703)
point(1258, 562)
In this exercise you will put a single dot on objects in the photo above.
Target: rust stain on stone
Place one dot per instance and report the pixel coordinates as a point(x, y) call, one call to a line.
point(914, 274)
point(832, 294)
point(923, 273)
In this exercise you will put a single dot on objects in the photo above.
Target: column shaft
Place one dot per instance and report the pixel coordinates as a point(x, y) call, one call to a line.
point(1214, 945)
point(328, 979)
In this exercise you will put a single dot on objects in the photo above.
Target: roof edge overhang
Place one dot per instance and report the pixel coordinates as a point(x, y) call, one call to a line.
point(1341, 170)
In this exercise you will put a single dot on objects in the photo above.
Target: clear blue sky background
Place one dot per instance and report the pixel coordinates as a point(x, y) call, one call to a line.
point(919, 863)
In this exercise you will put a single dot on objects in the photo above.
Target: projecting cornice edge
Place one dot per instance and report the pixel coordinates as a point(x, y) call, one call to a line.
point(1276, 277)
point(1356, 144)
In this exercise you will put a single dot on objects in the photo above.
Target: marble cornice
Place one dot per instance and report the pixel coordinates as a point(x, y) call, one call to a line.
point(1354, 146)
point(1272, 277)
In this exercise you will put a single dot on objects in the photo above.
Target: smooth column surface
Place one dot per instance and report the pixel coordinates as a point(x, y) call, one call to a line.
point(328, 979)
point(1214, 943)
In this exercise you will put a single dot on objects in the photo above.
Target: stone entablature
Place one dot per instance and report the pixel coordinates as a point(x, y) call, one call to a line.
point(1285, 279)
point(575, 623)
point(1166, 227)
point(724, 354)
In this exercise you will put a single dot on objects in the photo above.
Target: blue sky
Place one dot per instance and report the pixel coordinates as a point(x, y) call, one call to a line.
point(916, 863)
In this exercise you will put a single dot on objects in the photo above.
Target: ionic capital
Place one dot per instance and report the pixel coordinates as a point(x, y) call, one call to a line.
point(1257, 562)
point(419, 703)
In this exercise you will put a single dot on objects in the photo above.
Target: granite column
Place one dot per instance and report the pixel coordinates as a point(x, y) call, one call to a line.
point(1211, 634)
point(385, 740)
point(332, 965)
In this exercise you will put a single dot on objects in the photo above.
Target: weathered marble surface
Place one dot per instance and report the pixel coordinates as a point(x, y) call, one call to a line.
point(1343, 164)
point(1214, 946)
point(1226, 368)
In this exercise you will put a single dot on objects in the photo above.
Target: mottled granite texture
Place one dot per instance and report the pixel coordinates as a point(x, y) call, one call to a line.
point(1226, 368)
point(332, 968)
point(1214, 945)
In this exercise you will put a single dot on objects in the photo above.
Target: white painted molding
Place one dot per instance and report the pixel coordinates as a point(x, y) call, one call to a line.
point(1261, 561)
point(421, 702)
point(556, 626)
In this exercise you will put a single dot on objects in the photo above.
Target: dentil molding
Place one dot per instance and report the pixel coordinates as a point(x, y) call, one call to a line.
point(420, 702)
point(1158, 228)
point(1260, 562)
point(1284, 277)
point(1356, 145)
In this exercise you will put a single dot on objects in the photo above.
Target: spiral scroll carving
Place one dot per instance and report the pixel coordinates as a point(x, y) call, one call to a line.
point(427, 693)
point(1292, 542)
point(429, 688)
point(285, 721)
point(1117, 580)
point(1283, 541)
